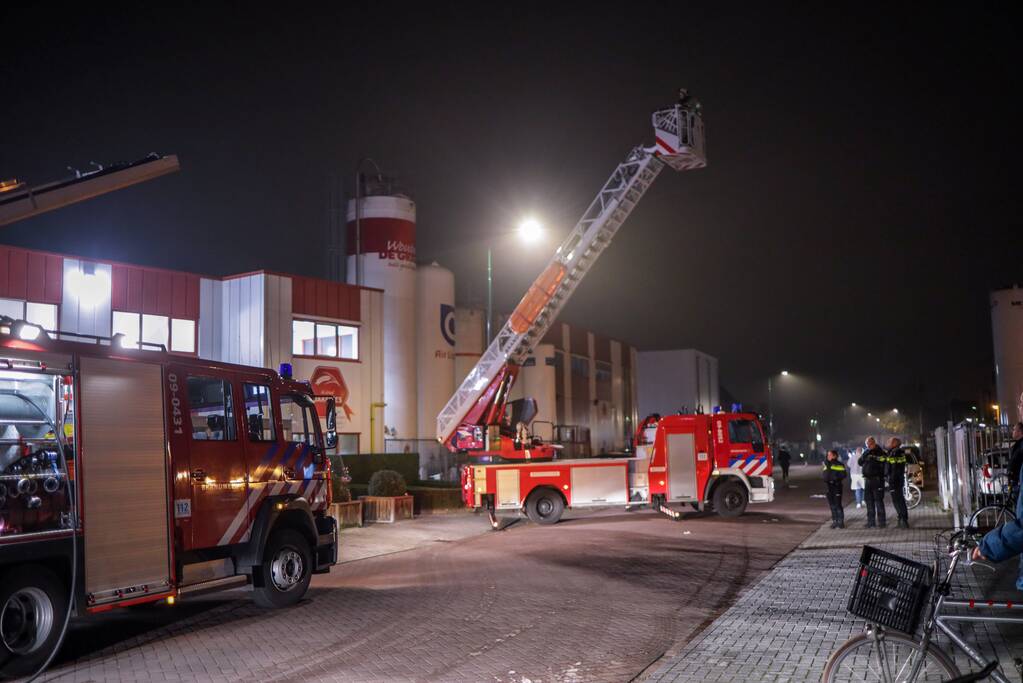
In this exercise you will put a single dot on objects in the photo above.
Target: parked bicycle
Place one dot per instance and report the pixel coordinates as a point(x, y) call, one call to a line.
point(894, 594)
point(999, 510)
point(912, 494)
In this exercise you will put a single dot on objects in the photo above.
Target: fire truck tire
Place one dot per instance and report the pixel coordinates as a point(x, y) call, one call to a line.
point(730, 499)
point(33, 602)
point(286, 570)
point(545, 506)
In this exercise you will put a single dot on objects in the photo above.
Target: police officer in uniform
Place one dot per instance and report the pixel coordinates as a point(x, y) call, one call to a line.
point(874, 464)
point(896, 471)
point(834, 475)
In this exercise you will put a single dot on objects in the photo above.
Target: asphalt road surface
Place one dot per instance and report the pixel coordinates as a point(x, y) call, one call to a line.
point(598, 597)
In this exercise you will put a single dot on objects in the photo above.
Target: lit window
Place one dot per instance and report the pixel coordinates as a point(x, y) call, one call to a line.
point(155, 330)
point(303, 338)
point(182, 336)
point(12, 309)
point(326, 340)
point(44, 315)
point(127, 324)
point(349, 341)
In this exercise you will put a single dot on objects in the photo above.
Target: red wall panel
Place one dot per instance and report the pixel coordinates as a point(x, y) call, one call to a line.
point(155, 292)
point(324, 299)
point(17, 278)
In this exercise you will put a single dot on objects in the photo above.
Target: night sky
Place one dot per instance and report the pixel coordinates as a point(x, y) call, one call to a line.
point(860, 199)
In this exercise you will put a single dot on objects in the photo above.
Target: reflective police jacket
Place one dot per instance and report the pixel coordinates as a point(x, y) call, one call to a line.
point(896, 466)
point(874, 463)
point(834, 472)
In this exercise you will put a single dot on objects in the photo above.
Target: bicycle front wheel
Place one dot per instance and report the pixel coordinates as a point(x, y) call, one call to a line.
point(860, 659)
point(914, 496)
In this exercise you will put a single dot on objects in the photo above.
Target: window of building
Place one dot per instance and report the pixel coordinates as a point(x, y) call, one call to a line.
point(744, 431)
point(348, 444)
point(175, 334)
point(326, 340)
point(44, 315)
point(211, 409)
point(299, 419)
point(182, 335)
point(155, 330)
point(259, 416)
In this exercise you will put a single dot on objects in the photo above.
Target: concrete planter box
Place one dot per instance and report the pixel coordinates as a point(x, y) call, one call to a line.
point(387, 509)
point(347, 514)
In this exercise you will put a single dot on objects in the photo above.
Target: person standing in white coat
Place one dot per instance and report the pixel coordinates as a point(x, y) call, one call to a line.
point(856, 476)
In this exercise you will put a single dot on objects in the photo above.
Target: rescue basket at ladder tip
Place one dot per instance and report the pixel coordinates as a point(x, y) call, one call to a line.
point(678, 143)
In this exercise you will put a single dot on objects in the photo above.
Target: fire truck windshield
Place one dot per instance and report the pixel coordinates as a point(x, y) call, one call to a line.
point(34, 407)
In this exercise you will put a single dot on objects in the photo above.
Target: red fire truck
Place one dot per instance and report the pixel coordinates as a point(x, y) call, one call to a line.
point(130, 475)
point(719, 461)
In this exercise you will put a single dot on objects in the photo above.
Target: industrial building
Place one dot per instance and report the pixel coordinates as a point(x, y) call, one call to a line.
point(676, 380)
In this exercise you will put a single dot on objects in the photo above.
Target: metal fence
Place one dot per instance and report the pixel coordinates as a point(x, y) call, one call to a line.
point(436, 463)
point(972, 464)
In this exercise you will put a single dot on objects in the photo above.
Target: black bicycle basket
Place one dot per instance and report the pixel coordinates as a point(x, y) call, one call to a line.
point(889, 590)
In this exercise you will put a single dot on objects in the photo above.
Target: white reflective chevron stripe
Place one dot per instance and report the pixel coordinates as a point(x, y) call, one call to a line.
point(761, 467)
point(243, 513)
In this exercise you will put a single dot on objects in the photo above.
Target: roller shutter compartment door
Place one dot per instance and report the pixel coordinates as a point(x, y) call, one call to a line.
point(124, 478)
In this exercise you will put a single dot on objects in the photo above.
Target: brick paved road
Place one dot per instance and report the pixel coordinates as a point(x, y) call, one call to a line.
point(596, 598)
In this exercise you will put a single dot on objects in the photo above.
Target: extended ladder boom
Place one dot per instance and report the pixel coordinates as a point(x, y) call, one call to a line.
point(679, 144)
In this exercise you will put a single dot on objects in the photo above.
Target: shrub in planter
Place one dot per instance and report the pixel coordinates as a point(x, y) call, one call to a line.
point(387, 483)
point(339, 492)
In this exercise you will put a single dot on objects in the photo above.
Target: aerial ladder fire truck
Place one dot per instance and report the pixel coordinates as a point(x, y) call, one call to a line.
point(719, 460)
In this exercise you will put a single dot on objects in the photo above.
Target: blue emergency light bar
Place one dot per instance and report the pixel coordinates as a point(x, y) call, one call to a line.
point(736, 407)
point(285, 371)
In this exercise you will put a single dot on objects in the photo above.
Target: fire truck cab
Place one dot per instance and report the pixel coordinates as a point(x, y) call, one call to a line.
point(130, 475)
point(720, 460)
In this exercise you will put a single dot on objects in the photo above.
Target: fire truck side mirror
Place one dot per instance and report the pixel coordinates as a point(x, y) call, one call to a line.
point(331, 423)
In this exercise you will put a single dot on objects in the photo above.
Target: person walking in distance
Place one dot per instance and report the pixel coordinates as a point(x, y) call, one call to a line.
point(873, 462)
point(896, 475)
point(834, 475)
point(784, 459)
point(856, 476)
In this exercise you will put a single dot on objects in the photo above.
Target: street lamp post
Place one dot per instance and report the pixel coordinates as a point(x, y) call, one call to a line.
point(530, 230)
point(770, 403)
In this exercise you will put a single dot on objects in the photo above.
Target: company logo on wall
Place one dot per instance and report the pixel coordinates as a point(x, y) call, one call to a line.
point(328, 381)
point(447, 323)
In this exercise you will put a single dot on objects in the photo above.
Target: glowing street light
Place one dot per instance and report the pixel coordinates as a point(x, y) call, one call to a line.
point(784, 373)
point(853, 404)
point(530, 230)
point(895, 410)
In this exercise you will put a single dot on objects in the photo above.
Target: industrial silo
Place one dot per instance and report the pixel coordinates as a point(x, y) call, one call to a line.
point(435, 329)
point(1007, 334)
point(386, 239)
point(468, 341)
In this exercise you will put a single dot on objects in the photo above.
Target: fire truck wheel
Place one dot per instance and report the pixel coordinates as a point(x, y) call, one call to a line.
point(545, 506)
point(33, 602)
point(286, 570)
point(730, 499)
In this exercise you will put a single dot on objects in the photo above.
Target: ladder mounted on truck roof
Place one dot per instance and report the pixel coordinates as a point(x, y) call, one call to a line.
point(679, 143)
